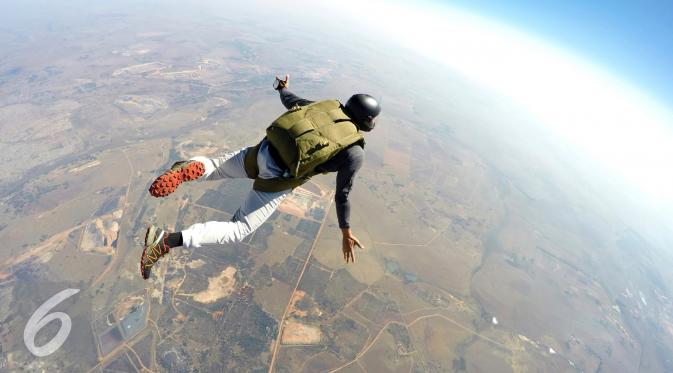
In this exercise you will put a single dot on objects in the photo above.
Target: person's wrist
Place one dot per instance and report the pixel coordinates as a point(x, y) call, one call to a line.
point(346, 232)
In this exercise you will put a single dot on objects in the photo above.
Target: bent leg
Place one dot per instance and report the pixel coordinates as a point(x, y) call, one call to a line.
point(229, 166)
point(256, 209)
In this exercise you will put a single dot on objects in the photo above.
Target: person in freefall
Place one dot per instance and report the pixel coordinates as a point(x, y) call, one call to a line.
point(311, 137)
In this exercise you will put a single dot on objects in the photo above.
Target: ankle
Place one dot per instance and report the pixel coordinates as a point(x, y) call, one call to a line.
point(173, 239)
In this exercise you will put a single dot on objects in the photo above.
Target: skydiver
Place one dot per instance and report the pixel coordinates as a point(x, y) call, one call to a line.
point(278, 164)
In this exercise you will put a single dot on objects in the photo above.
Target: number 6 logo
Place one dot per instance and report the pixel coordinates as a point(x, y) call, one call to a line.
point(40, 318)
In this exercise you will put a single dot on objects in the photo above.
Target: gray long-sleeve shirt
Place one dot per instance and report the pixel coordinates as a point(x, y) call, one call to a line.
point(346, 164)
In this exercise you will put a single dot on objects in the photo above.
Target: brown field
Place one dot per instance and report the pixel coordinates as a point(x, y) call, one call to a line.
point(328, 247)
point(292, 307)
point(436, 340)
point(443, 261)
point(295, 204)
point(64, 260)
point(273, 299)
point(398, 161)
point(63, 209)
point(369, 268)
point(321, 362)
point(219, 287)
point(147, 156)
point(296, 333)
point(370, 208)
point(480, 356)
point(42, 252)
point(189, 148)
point(402, 294)
point(282, 245)
point(167, 211)
point(384, 356)
point(43, 135)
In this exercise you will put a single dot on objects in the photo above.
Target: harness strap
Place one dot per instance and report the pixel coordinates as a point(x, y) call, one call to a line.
point(250, 161)
point(276, 184)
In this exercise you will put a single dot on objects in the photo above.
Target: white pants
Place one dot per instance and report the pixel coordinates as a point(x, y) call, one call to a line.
point(255, 210)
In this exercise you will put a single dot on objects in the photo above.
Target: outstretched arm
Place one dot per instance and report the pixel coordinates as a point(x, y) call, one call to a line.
point(345, 177)
point(288, 98)
point(346, 164)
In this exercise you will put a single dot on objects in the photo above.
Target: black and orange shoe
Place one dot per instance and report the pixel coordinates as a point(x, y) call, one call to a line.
point(155, 247)
point(171, 179)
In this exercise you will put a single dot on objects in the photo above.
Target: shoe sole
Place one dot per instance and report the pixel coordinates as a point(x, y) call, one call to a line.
point(170, 180)
point(153, 230)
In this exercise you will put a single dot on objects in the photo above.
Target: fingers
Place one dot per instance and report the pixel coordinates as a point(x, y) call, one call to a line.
point(348, 255)
point(349, 244)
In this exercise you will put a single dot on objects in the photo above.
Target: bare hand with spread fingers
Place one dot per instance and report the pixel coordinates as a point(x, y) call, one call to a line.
point(348, 244)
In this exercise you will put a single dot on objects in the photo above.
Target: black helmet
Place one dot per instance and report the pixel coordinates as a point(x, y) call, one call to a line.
point(362, 109)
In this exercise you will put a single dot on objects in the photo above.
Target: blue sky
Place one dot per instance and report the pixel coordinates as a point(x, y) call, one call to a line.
point(632, 39)
point(611, 110)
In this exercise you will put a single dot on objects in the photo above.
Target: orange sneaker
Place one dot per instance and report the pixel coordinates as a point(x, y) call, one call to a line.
point(171, 179)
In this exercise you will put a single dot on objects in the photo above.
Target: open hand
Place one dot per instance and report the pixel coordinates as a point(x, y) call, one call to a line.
point(279, 83)
point(348, 244)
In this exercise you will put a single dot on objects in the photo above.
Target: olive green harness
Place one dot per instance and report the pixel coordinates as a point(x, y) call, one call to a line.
point(305, 137)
